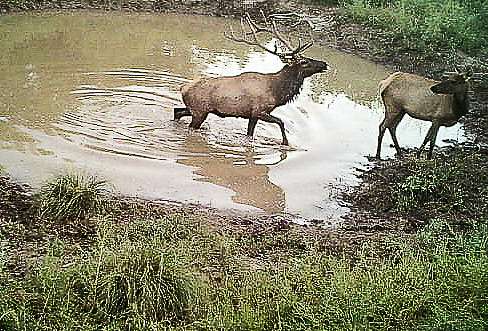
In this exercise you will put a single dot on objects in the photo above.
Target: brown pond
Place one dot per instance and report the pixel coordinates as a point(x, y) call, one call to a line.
point(95, 91)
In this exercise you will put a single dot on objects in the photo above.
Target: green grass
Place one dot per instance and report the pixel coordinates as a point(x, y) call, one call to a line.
point(177, 273)
point(456, 185)
point(72, 197)
point(427, 24)
point(120, 284)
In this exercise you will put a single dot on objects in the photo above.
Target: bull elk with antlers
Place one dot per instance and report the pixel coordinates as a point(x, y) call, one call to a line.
point(440, 102)
point(251, 95)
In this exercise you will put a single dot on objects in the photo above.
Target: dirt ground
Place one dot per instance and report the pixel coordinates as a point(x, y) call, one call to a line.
point(29, 237)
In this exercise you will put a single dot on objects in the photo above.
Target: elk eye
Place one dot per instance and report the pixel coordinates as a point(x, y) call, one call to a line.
point(303, 62)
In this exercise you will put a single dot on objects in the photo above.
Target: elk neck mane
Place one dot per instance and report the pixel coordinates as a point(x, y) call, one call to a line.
point(461, 104)
point(288, 84)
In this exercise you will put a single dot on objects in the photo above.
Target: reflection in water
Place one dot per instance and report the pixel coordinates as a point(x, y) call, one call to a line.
point(96, 91)
point(237, 171)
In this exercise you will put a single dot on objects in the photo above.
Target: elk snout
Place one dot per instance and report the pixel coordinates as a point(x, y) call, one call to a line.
point(311, 66)
point(320, 66)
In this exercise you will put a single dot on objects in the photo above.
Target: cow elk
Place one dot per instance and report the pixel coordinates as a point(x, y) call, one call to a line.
point(442, 103)
point(252, 95)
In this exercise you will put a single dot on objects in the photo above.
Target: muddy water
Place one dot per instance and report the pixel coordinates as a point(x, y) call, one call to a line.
point(95, 91)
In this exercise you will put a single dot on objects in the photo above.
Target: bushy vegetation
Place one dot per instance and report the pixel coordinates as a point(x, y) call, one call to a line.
point(72, 197)
point(120, 284)
point(427, 24)
point(456, 185)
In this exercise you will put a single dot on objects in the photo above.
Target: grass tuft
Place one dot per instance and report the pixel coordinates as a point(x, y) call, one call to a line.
point(72, 197)
point(139, 283)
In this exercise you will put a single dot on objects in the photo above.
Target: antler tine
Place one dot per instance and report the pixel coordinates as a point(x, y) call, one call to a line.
point(232, 36)
point(254, 31)
point(269, 27)
point(301, 47)
point(274, 30)
point(278, 35)
point(305, 47)
point(255, 26)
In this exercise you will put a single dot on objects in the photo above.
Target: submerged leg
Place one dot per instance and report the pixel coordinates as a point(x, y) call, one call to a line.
point(251, 126)
point(272, 119)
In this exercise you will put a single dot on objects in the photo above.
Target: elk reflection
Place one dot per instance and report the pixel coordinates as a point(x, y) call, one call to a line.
point(235, 170)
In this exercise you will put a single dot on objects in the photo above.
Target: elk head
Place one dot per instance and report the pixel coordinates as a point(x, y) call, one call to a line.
point(454, 83)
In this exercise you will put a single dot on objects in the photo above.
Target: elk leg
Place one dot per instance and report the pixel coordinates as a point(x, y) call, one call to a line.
point(272, 119)
point(197, 120)
point(180, 112)
point(381, 133)
point(390, 122)
point(428, 138)
point(395, 141)
point(432, 140)
point(392, 129)
point(251, 126)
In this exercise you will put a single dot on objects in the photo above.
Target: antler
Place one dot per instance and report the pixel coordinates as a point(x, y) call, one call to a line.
point(250, 36)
